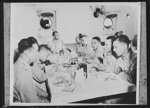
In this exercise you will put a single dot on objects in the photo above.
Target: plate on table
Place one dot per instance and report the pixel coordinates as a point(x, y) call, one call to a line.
point(63, 83)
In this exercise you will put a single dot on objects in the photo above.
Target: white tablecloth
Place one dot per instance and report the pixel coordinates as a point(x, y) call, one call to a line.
point(94, 86)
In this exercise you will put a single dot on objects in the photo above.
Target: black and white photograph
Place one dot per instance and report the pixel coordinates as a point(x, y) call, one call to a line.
point(74, 53)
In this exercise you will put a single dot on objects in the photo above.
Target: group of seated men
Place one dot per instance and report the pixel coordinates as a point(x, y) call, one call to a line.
point(30, 71)
point(118, 55)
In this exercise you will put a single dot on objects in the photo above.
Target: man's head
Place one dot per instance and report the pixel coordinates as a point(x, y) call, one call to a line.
point(84, 40)
point(121, 45)
point(78, 38)
point(134, 44)
point(55, 35)
point(109, 43)
point(29, 47)
point(96, 41)
point(44, 52)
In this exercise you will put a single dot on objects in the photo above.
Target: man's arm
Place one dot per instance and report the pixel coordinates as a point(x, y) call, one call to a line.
point(126, 76)
point(28, 92)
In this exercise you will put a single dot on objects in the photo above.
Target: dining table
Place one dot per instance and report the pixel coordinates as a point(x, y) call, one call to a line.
point(73, 83)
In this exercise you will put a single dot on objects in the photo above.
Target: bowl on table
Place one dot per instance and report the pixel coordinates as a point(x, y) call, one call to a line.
point(66, 65)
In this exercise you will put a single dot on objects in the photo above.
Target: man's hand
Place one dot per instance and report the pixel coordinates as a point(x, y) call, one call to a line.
point(101, 67)
point(38, 65)
point(123, 75)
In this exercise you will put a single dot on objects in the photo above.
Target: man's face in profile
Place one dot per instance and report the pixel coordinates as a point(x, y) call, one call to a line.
point(119, 47)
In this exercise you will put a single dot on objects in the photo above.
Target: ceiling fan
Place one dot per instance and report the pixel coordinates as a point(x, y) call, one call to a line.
point(98, 11)
point(101, 11)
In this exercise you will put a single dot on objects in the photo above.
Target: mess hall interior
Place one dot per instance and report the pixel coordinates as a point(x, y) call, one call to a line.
point(71, 53)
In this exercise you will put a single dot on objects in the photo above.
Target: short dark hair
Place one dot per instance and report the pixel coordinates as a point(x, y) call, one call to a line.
point(82, 36)
point(97, 38)
point(123, 38)
point(44, 46)
point(54, 33)
point(33, 39)
point(26, 43)
point(134, 41)
point(111, 38)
